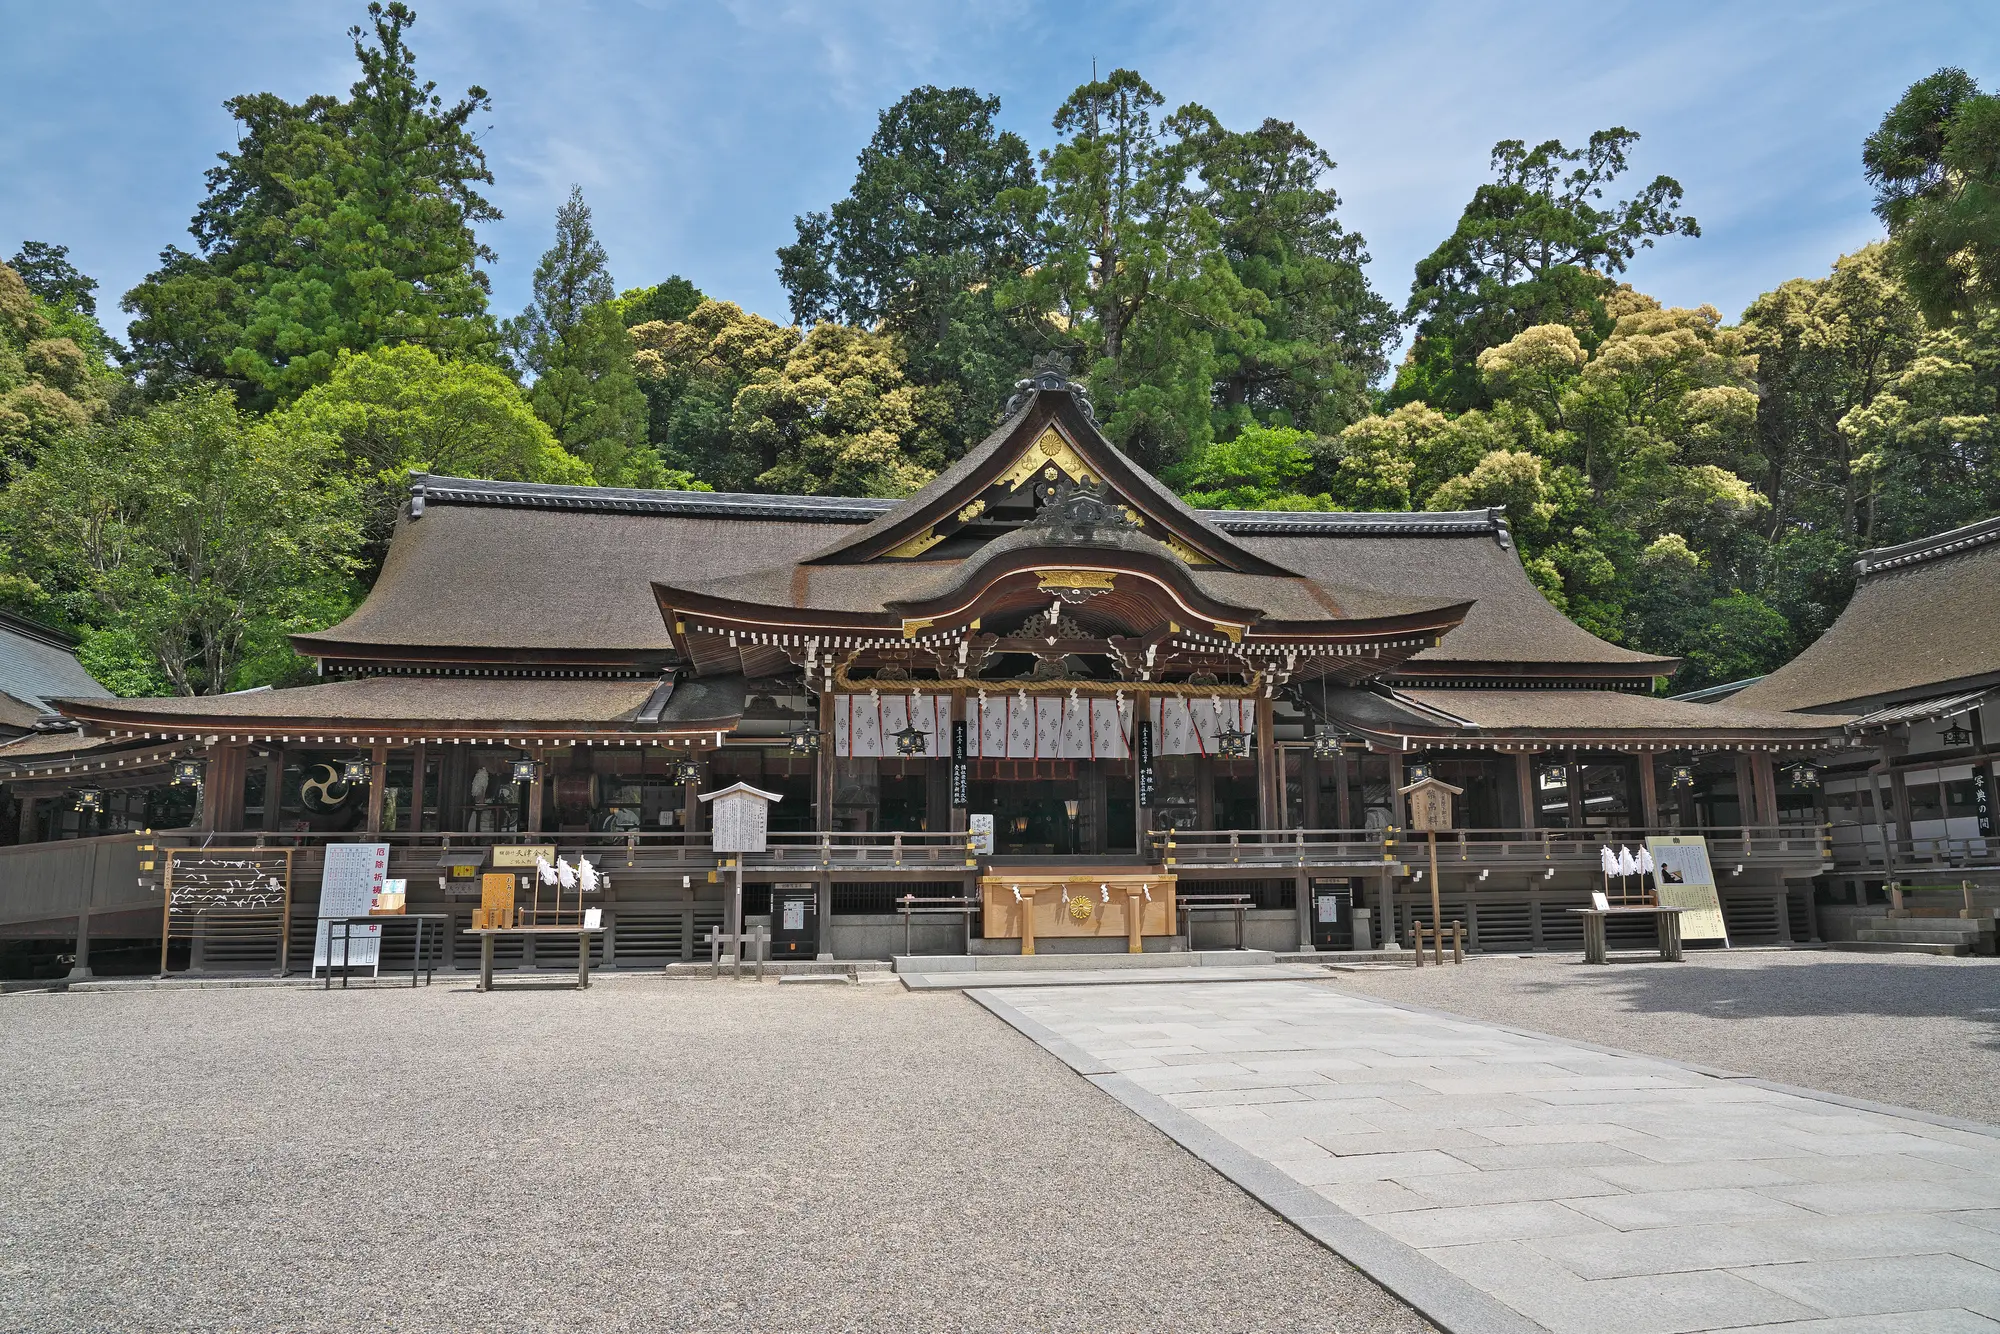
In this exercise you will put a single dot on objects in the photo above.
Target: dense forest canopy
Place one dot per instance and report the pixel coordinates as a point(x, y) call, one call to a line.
point(1679, 483)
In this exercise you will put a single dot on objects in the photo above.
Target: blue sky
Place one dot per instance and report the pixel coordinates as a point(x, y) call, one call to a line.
point(698, 130)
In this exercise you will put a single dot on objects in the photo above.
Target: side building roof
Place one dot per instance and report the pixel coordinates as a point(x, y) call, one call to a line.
point(37, 664)
point(1924, 619)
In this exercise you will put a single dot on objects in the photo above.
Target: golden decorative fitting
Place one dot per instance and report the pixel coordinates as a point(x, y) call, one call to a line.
point(1049, 449)
point(1080, 909)
point(1102, 580)
point(912, 627)
point(972, 511)
point(1187, 553)
point(917, 545)
point(1233, 633)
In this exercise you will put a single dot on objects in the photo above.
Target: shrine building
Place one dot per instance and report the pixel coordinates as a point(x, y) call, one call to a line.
point(1042, 669)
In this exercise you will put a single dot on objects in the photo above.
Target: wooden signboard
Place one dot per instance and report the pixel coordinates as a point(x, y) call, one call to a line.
point(523, 854)
point(1430, 804)
point(228, 894)
point(1684, 878)
point(496, 898)
point(739, 816)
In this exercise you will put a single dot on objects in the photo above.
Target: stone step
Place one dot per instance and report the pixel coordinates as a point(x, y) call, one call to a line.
point(1081, 962)
point(1897, 947)
point(1941, 932)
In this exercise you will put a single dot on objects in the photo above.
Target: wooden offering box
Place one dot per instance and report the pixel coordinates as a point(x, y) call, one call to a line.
point(1084, 904)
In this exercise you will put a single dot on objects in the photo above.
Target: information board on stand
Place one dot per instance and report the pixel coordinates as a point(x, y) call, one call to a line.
point(1683, 877)
point(354, 874)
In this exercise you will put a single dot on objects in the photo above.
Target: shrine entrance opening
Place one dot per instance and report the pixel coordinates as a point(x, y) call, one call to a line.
point(1056, 808)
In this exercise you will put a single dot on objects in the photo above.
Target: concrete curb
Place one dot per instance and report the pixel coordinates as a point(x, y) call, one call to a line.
point(1440, 1296)
point(1734, 1076)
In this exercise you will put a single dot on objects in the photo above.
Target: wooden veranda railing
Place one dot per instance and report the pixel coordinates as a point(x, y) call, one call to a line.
point(1474, 849)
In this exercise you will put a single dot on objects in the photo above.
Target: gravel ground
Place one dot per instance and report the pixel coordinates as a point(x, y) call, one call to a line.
point(646, 1155)
point(1912, 1030)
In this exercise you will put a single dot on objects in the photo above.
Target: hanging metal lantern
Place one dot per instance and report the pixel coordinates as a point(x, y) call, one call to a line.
point(910, 741)
point(687, 771)
point(1680, 775)
point(1555, 775)
point(804, 740)
point(1956, 737)
point(523, 771)
point(1803, 774)
point(187, 773)
point(89, 799)
point(1418, 772)
point(1326, 742)
point(1232, 743)
point(354, 771)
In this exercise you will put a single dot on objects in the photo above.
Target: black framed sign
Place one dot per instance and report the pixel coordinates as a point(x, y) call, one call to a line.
point(1144, 736)
point(961, 772)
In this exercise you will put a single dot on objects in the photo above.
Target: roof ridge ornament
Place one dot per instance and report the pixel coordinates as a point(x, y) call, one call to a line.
point(1053, 382)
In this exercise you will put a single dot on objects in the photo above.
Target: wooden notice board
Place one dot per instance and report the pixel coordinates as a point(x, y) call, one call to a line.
point(227, 895)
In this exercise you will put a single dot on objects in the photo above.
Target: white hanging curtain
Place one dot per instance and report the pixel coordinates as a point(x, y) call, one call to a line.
point(864, 726)
point(1189, 725)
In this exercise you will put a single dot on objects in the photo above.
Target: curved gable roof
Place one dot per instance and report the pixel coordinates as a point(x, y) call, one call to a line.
point(1925, 617)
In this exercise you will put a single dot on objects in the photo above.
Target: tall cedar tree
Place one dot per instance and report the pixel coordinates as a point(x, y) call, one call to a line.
point(572, 344)
point(334, 225)
point(919, 246)
point(1134, 287)
point(1533, 247)
point(1321, 333)
point(1935, 165)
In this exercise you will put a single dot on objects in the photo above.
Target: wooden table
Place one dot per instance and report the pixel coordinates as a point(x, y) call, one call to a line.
point(346, 925)
point(582, 933)
point(1666, 920)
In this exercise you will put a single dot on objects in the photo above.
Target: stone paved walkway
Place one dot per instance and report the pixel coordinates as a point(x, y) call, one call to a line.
point(1504, 1176)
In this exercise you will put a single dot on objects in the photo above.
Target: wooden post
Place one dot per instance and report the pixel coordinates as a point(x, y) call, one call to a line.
point(417, 777)
point(1524, 780)
point(1134, 944)
point(274, 790)
point(1270, 780)
point(1344, 814)
point(1649, 793)
point(1437, 910)
point(1766, 782)
point(1746, 791)
point(822, 766)
point(1028, 922)
point(535, 790)
point(378, 778)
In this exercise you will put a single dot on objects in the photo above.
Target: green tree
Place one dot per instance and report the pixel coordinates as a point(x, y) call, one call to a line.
point(191, 531)
point(1935, 166)
point(60, 285)
point(397, 410)
point(572, 347)
point(920, 245)
point(1134, 285)
point(1320, 334)
point(49, 384)
point(839, 418)
point(1826, 348)
point(1532, 247)
point(333, 226)
point(692, 370)
point(1259, 468)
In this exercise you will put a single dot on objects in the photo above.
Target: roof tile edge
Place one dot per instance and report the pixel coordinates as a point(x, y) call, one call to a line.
point(1938, 545)
point(428, 489)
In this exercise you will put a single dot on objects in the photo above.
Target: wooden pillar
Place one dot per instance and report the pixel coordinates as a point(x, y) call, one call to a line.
point(378, 778)
point(417, 758)
point(1649, 793)
point(222, 789)
point(1343, 800)
point(28, 829)
point(535, 791)
point(1765, 780)
point(1397, 806)
point(1204, 792)
point(1270, 777)
point(1309, 790)
point(1746, 791)
point(1524, 783)
point(690, 798)
point(823, 765)
point(274, 790)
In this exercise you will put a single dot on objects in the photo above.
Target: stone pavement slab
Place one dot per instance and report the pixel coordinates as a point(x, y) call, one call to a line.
point(1509, 1181)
